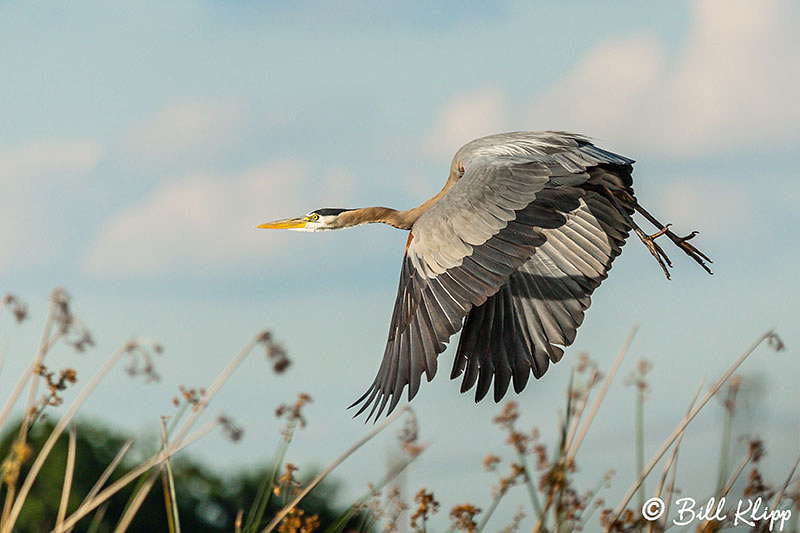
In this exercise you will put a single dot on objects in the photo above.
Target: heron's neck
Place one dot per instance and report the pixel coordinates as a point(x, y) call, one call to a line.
point(387, 215)
point(369, 215)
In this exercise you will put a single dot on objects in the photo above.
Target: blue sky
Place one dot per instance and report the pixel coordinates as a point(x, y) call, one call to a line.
point(140, 145)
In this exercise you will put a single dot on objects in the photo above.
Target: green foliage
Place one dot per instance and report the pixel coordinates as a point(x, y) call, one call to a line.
point(207, 501)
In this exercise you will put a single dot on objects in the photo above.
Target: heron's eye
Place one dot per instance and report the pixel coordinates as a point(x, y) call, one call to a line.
point(314, 217)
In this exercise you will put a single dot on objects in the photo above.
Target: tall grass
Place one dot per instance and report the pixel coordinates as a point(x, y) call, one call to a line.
point(545, 472)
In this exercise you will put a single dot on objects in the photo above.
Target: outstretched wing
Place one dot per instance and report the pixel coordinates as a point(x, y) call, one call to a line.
point(525, 324)
point(467, 245)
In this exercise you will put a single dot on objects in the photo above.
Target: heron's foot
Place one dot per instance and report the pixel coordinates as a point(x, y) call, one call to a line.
point(662, 231)
point(656, 250)
point(680, 242)
point(649, 240)
point(691, 251)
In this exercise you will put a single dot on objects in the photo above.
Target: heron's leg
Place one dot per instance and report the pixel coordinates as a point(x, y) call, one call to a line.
point(648, 240)
point(680, 242)
point(661, 232)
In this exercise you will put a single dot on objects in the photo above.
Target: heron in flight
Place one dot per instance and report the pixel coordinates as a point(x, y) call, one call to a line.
point(509, 253)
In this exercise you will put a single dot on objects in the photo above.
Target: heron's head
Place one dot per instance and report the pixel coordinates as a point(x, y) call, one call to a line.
point(318, 220)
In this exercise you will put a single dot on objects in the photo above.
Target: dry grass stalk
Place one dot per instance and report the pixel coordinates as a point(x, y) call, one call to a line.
point(370, 502)
point(90, 504)
point(57, 430)
point(729, 403)
point(16, 392)
point(143, 489)
point(316, 481)
point(171, 500)
point(237, 523)
point(555, 482)
point(522, 443)
point(638, 379)
point(516, 522)
point(44, 344)
point(3, 356)
point(671, 465)
point(392, 511)
point(65, 489)
point(768, 336)
point(582, 400)
point(516, 474)
point(294, 418)
point(112, 466)
point(62, 325)
point(779, 495)
point(573, 450)
point(217, 384)
point(755, 449)
point(198, 407)
point(97, 519)
point(136, 502)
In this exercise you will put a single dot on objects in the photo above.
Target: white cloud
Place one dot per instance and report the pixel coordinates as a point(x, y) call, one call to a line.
point(467, 116)
point(47, 158)
point(604, 90)
point(731, 217)
point(37, 177)
point(734, 83)
point(6, 239)
point(193, 128)
point(338, 187)
point(202, 222)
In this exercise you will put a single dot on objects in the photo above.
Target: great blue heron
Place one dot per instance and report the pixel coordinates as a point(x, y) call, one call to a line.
point(511, 248)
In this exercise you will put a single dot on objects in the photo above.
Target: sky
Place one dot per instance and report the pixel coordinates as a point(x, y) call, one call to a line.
point(140, 145)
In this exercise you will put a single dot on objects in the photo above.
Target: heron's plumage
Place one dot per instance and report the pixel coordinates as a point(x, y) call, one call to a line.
point(512, 251)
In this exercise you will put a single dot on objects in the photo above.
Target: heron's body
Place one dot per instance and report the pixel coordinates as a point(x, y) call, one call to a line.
point(508, 252)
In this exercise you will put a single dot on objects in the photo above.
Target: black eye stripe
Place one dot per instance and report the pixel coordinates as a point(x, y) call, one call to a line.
point(330, 211)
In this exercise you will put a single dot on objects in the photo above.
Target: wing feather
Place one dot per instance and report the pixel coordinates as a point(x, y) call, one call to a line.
point(549, 293)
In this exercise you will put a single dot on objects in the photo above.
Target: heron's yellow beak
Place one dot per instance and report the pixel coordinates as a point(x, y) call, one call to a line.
point(289, 223)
